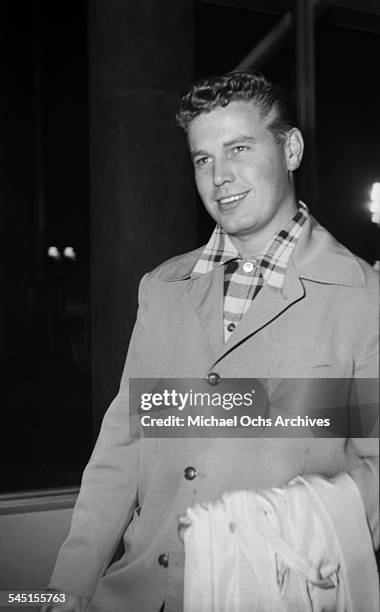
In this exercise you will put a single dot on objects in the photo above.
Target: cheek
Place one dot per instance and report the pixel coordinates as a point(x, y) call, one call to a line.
point(277, 170)
point(264, 177)
point(203, 183)
point(253, 173)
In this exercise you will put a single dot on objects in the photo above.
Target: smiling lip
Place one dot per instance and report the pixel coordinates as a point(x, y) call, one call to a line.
point(232, 198)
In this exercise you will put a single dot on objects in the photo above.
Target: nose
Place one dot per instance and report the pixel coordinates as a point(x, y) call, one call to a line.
point(223, 172)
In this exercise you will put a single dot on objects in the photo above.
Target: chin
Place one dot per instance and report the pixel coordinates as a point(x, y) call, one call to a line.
point(235, 228)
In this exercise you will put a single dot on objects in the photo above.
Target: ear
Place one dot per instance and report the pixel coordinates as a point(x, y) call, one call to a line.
point(294, 149)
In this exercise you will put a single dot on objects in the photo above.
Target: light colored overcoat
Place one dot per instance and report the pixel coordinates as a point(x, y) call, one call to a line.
point(323, 324)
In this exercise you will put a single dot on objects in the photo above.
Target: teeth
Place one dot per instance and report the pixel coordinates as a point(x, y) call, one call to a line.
point(233, 198)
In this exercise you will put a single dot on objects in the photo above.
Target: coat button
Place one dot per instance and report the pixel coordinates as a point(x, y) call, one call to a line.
point(231, 327)
point(213, 379)
point(190, 473)
point(164, 560)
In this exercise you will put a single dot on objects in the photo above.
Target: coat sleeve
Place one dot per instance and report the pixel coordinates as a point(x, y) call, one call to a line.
point(366, 475)
point(108, 493)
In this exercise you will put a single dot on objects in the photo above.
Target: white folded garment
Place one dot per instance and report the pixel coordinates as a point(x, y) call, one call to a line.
point(304, 547)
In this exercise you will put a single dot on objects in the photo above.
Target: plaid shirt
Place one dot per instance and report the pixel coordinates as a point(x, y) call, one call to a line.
point(244, 279)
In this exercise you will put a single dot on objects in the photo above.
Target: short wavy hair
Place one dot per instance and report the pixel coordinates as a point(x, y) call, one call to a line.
point(208, 94)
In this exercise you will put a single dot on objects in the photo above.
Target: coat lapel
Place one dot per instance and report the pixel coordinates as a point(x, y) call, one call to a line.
point(206, 295)
point(267, 306)
point(317, 257)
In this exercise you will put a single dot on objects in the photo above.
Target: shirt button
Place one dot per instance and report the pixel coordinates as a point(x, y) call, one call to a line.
point(190, 473)
point(249, 266)
point(231, 327)
point(213, 379)
point(163, 560)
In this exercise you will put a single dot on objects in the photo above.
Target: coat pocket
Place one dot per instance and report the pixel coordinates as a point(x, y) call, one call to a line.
point(321, 368)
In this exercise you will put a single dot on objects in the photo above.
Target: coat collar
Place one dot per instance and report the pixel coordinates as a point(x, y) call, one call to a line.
point(317, 257)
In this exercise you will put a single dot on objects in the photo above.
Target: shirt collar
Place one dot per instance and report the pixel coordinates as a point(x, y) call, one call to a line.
point(272, 265)
point(217, 252)
point(317, 257)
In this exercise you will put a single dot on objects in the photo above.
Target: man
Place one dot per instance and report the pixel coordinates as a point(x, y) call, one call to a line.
point(272, 295)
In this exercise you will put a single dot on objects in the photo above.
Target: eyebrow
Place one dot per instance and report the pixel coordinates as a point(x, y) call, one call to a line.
point(241, 138)
point(199, 152)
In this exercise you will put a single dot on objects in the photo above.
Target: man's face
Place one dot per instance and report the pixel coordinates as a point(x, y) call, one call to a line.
point(241, 170)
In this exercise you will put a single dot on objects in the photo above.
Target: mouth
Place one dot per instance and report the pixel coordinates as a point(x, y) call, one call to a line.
point(232, 198)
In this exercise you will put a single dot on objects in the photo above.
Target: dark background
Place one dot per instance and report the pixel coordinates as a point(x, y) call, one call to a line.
point(49, 307)
point(46, 408)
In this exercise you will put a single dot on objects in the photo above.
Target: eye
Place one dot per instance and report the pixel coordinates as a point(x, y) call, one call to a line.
point(201, 161)
point(239, 149)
